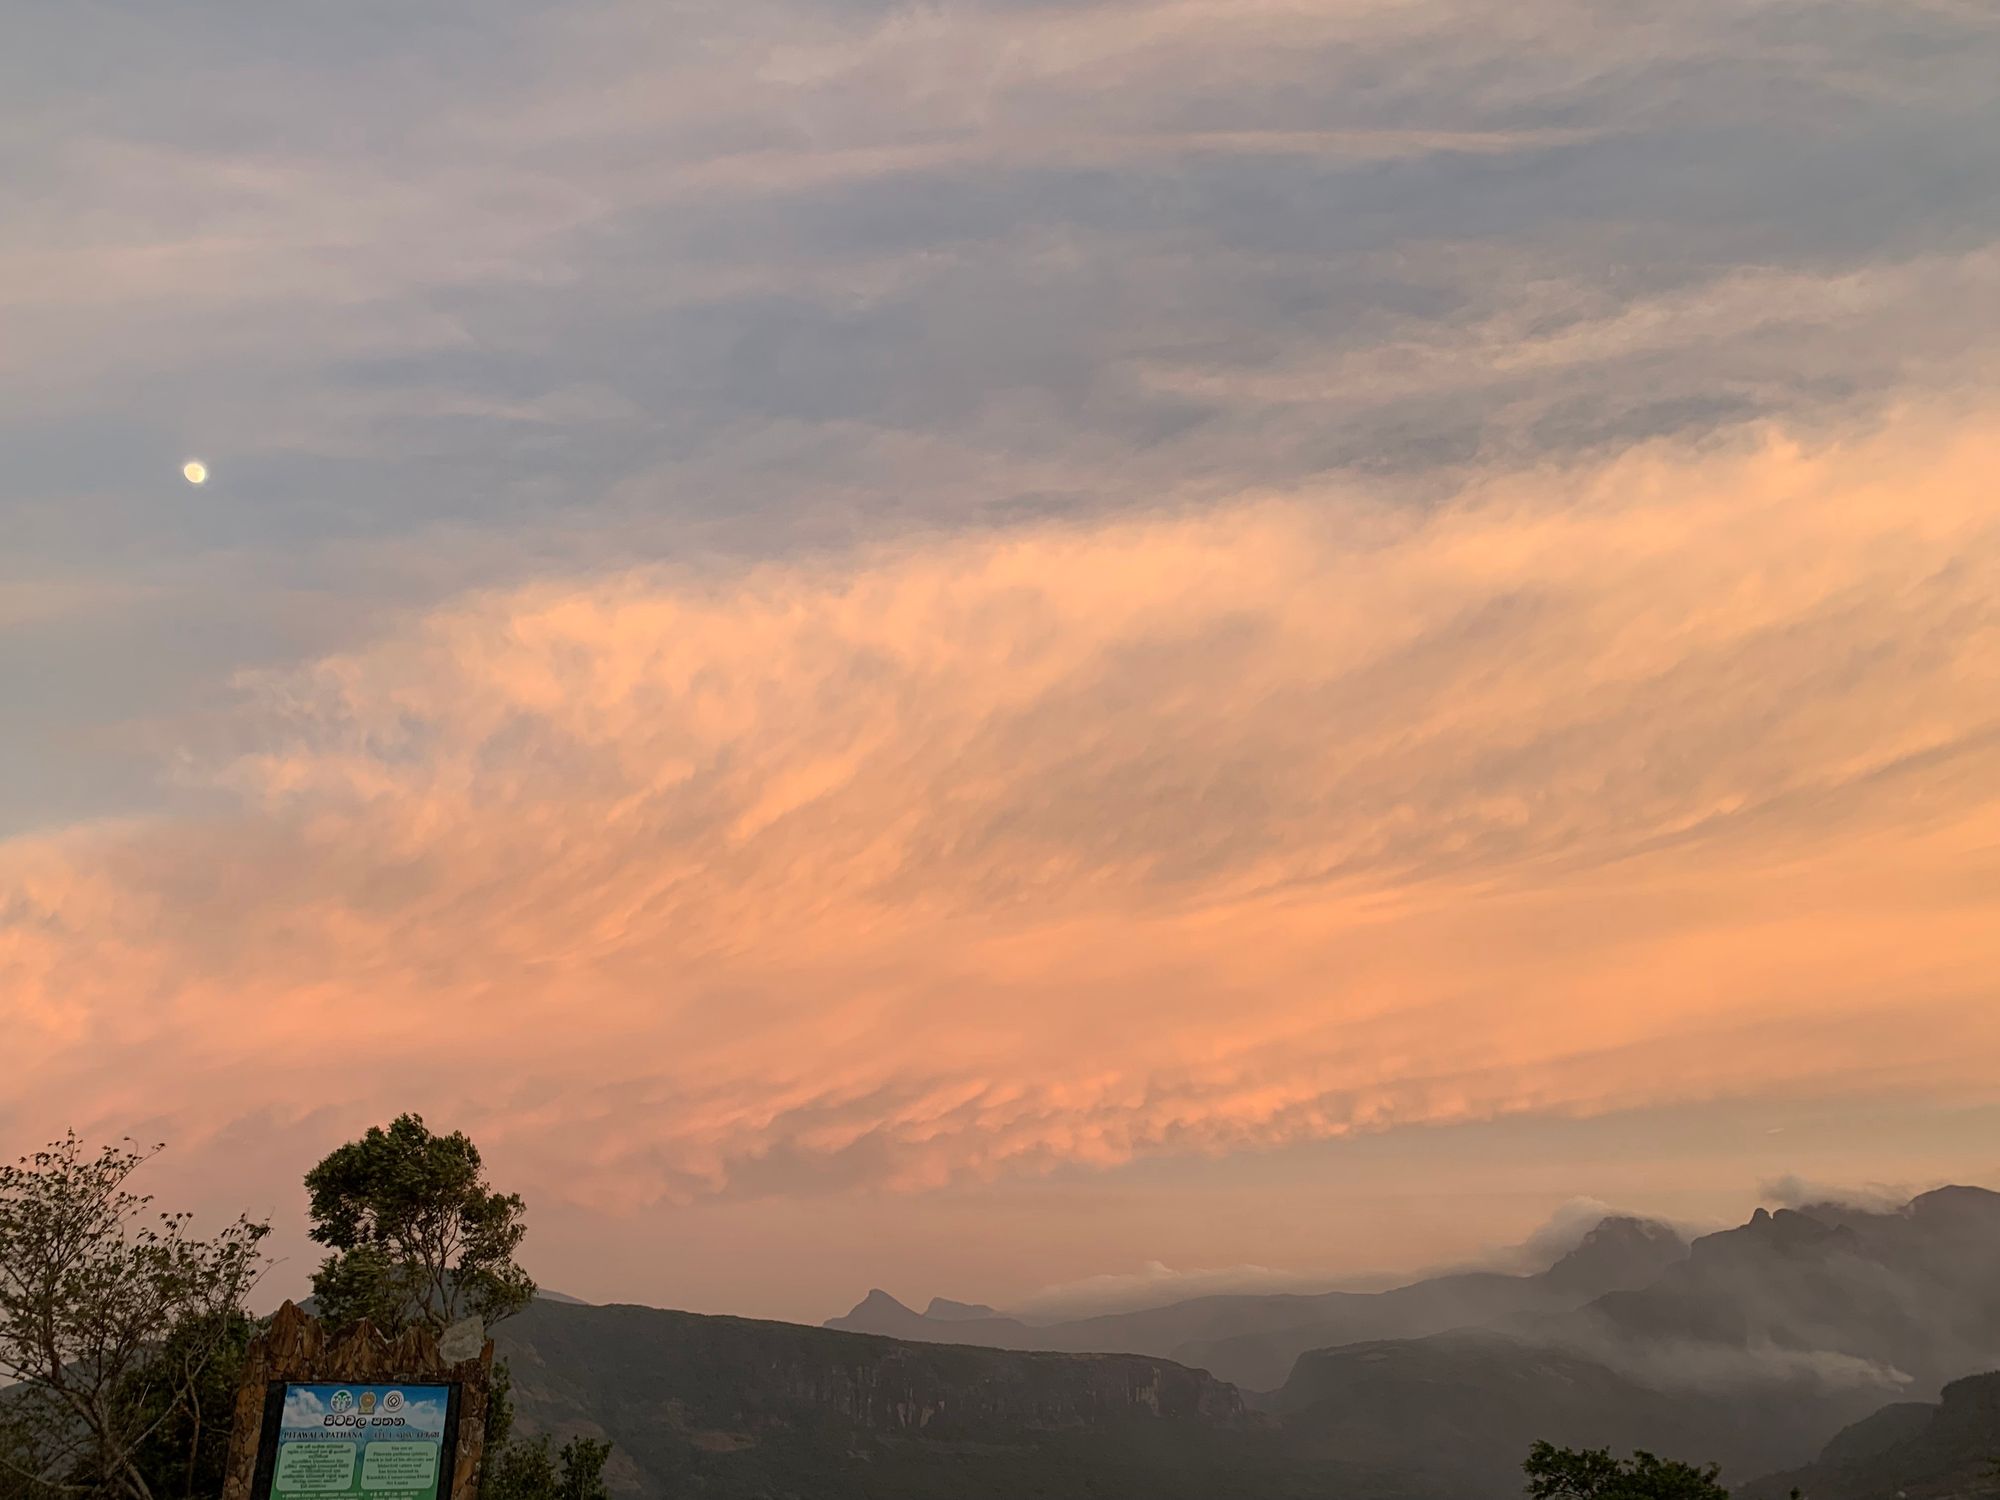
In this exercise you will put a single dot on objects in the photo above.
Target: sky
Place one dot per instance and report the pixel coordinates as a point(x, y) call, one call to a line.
point(998, 648)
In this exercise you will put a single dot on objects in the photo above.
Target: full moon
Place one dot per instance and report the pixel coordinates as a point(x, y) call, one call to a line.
point(196, 471)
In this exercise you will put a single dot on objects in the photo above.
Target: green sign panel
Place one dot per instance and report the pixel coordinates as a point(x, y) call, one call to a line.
point(372, 1442)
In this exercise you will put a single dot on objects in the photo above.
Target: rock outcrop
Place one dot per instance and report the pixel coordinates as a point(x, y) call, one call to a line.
point(1948, 1450)
point(732, 1406)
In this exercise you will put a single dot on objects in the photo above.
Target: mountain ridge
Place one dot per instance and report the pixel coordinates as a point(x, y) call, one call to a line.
point(739, 1409)
point(1795, 1339)
point(1252, 1339)
point(1943, 1450)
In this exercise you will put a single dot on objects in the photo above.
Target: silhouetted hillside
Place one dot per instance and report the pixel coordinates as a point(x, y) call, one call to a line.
point(1751, 1349)
point(1618, 1253)
point(1949, 1450)
point(735, 1409)
point(1253, 1339)
point(881, 1314)
point(1908, 1298)
point(1752, 1352)
point(1450, 1412)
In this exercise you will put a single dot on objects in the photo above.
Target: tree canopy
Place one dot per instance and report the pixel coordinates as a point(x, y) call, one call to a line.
point(420, 1237)
point(122, 1332)
point(529, 1471)
point(113, 1321)
point(417, 1234)
point(1593, 1474)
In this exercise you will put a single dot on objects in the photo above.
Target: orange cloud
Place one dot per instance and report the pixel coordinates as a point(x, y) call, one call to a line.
point(1670, 780)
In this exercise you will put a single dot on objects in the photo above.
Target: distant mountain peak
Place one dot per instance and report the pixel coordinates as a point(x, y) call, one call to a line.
point(947, 1311)
point(1789, 1230)
point(944, 1322)
point(1621, 1253)
point(1957, 1203)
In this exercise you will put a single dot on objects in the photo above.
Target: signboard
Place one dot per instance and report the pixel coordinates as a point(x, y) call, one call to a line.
point(368, 1442)
point(347, 1414)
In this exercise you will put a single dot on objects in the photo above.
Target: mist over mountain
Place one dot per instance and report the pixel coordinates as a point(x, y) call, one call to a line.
point(1253, 1339)
point(1156, 1284)
point(1901, 1299)
point(1751, 1351)
point(1618, 1253)
point(1920, 1450)
point(1448, 1412)
point(1823, 1341)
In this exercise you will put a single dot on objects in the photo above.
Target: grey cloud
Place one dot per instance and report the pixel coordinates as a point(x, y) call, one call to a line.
point(770, 276)
point(1794, 1191)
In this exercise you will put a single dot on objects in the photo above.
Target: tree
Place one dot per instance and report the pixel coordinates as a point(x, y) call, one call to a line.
point(417, 1234)
point(419, 1237)
point(111, 1318)
point(1593, 1474)
point(188, 1450)
point(526, 1471)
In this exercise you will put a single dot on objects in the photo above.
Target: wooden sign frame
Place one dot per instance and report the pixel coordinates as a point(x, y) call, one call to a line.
point(297, 1349)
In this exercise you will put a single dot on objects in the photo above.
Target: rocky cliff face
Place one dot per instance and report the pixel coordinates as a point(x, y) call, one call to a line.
point(731, 1406)
point(887, 1387)
point(1946, 1451)
point(1621, 1253)
point(1905, 1299)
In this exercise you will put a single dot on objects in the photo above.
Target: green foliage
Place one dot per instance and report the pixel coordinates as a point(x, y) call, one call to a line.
point(499, 1406)
point(419, 1237)
point(188, 1448)
point(1593, 1474)
point(114, 1323)
point(189, 1441)
point(527, 1471)
point(417, 1234)
point(17, 1452)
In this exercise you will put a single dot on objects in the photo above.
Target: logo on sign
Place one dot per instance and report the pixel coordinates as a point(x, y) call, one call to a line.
point(393, 1401)
point(342, 1401)
point(367, 1402)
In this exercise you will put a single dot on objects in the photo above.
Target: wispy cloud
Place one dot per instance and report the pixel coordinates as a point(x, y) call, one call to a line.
point(838, 595)
point(1653, 782)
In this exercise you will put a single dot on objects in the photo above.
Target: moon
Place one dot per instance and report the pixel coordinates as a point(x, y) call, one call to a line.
point(196, 471)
